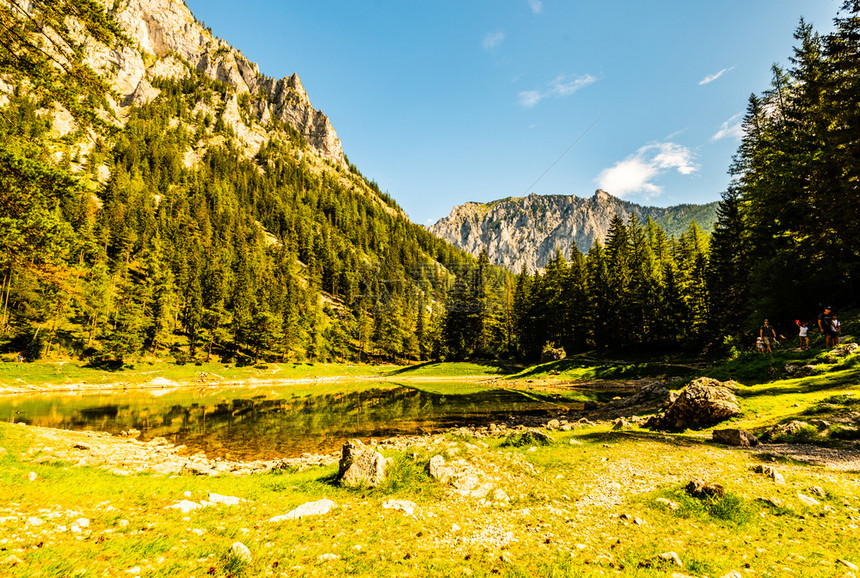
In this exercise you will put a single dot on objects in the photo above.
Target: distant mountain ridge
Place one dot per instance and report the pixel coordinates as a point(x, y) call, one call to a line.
point(525, 231)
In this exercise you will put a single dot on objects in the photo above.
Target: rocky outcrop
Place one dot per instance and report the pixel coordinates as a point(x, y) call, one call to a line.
point(169, 42)
point(703, 403)
point(526, 231)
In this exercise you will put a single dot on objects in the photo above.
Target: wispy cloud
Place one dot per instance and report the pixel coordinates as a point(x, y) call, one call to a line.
point(561, 86)
point(493, 40)
point(636, 173)
point(732, 128)
point(536, 6)
point(712, 77)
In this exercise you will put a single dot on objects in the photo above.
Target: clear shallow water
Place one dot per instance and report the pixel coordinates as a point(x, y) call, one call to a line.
point(269, 422)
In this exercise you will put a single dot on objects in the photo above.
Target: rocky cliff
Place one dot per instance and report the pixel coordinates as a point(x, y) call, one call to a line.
point(526, 231)
point(168, 42)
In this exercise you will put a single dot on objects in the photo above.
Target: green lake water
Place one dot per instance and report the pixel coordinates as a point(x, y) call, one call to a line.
point(277, 421)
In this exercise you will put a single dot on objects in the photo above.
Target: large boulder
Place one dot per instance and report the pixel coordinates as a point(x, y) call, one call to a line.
point(704, 402)
point(360, 464)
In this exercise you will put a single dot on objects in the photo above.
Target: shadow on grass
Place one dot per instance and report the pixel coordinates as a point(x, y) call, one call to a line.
point(605, 369)
point(111, 365)
point(680, 440)
point(807, 385)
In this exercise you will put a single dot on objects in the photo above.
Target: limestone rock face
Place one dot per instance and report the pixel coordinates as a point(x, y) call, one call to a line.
point(169, 42)
point(526, 231)
point(704, 402)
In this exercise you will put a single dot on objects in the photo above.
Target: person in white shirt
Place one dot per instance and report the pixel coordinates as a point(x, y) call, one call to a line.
point(837, 328)
point(804, 334)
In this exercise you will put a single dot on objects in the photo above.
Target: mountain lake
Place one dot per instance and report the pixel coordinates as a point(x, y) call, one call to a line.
point(267, 422)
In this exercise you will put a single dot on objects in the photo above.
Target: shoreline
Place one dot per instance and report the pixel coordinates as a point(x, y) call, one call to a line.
point(252, 382)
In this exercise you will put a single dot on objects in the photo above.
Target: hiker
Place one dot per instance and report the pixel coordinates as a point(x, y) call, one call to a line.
point(837, 328)
point(826, 327)
point(803, 328)
point(767, 334)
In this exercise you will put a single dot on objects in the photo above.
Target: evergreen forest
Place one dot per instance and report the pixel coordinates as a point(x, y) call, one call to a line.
point(125, 249)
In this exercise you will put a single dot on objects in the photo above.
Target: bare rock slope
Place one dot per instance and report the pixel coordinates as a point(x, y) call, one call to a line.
point(526, 231)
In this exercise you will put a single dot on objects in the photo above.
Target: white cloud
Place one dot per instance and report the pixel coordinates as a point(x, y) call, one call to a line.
point(636, 173)
point(536, 6)
point(529, 98)
point(564, 85)
point(710, 78)
point(493, 40)
point(732, 128)
point(561, 86)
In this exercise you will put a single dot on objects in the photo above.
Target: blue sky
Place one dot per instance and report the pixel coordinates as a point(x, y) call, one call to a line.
point(447, 101)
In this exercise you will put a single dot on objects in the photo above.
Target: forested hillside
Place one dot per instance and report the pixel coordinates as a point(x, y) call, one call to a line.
point(155, 229)
point(283, 255)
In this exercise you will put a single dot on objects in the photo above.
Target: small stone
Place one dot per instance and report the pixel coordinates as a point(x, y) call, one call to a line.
point(184, 506)
point(847, 564)
point(32, 476)
point(307, 509)
point(226, 500)
point(735, 437)
point(239, 551)
point(701, 489)
point(620, 423)
point(499, 495)
point(328, 557)
point(122, 523)
point(771, 501)
point(769, 471)
point(11, 561)
point(668, 503)
point(666, 558)
point(404, 506)
point(817, 491)
point(733, 574)
point(82, 446)
point(82, 523)
point(133, 571)
point(807, 500)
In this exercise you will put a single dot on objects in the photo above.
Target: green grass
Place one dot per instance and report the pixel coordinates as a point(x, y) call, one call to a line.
point(563, 518)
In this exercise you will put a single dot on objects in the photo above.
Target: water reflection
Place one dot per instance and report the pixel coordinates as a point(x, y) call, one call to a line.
point(248, 424)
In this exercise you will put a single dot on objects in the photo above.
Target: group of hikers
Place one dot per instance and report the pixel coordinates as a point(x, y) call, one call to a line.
point(828, 324)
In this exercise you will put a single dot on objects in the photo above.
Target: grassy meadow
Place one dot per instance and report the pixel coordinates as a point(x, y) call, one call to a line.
point(595, 502)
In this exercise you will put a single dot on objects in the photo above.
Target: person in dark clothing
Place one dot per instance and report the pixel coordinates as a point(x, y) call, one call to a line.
point(826, 327)
point(768, 335)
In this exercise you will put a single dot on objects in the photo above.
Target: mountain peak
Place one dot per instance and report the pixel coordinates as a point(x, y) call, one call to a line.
point(169, 42)
point(519, 232)
point(601, 195)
